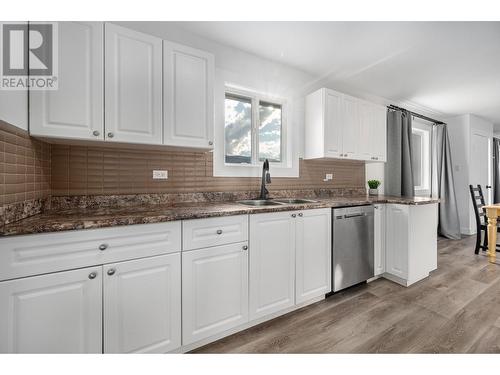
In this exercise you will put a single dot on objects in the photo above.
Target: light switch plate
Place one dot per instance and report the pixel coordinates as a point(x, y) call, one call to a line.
point(160, 175)
point(328, 177)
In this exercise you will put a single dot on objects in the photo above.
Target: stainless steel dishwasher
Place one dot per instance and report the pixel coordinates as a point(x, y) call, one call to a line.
point(352, 249)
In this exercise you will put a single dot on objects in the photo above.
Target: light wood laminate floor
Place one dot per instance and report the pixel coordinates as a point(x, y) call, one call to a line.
point(455, 310)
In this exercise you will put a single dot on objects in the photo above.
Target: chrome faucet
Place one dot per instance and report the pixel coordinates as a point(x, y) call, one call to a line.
point(266, 178)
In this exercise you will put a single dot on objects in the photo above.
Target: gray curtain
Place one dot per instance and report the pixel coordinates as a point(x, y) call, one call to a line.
point(398, 168)
point(496, 170)
point(442, 185)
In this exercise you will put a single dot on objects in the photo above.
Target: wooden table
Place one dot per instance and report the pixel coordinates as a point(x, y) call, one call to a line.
point(492, 212)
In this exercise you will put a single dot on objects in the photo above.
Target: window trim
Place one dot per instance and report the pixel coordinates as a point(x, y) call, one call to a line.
point(424, 131)
point(289, 165)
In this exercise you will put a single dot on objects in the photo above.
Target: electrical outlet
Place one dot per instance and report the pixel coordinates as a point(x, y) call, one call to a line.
point(328, 177)
point(160, 175)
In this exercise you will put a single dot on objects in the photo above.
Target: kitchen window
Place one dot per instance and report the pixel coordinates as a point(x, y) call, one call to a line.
point(255, 129)
point(421, 157)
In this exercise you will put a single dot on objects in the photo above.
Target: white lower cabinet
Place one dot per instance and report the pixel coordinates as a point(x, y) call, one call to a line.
point(142, 305)
point(411, 242)
point(379, 239)
point(313, 265)
point(214, 290)
point(272, 263)
point(55, 313)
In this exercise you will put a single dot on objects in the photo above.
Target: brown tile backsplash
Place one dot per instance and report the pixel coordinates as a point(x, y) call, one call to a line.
point(81, 170)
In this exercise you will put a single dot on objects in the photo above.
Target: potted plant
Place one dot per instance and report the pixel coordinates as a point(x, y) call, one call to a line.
point(373, 185)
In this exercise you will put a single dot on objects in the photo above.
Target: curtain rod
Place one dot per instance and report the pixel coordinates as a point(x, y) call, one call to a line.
point(394, 107)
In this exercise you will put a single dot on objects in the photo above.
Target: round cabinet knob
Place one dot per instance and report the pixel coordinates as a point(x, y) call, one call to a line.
point(96, 133)
point(103, 246)
point(110, 135)
point(219, 231)
point(301, 214)
point(294, 215)
point(210, 143)
point(245, 247)
point(111, 271)
point(92, 275)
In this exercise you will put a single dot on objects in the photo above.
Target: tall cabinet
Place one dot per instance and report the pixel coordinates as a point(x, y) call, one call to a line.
point(76, 109)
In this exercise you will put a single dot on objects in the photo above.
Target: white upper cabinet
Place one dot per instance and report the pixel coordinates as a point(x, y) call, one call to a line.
point(75, 110)
point(313, 254)
point(54, 313)
point(133, 82)
point(341, 126)
point(142, 305)
point(188, 96)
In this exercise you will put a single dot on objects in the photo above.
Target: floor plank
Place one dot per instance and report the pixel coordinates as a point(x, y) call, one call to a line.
point(455, 310)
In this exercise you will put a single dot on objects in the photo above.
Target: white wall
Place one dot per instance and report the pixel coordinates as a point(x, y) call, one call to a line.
point(14, 108)
point(459, 130)
point(375, 171)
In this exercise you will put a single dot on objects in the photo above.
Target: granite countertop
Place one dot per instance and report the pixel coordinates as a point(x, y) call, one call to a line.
point(81, 218)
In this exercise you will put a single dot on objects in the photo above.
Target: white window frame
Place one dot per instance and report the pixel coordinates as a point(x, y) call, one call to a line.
point(289, 164)
point(424, 131)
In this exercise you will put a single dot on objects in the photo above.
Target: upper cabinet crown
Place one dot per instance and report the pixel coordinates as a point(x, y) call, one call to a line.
point(121, 85)
point(341, 126)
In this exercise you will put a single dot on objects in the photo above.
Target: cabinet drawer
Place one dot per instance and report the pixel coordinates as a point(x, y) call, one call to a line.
point(200, 233)
point(43, 253)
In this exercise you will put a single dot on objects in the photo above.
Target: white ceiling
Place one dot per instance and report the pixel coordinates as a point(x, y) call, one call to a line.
point(449, 68)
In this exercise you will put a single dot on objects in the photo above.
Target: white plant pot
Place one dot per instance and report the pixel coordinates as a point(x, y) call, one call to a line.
point(373, 191)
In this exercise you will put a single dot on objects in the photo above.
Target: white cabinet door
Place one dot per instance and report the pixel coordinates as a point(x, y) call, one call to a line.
point(314, 251)
point(133, 83)
point(54, 313)
point(333, 123)
point(379, 134)
point(379, 238)
point(76, 108)
point(272, 263)
point(188, 100)
point(350, 128)
point(366, 130)
point(142, 305)
point(214, 290)
point(397, 237)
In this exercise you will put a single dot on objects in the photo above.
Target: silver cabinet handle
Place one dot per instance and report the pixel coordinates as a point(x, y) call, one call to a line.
point(103, 246)
point(111, 271)
point(92, 275)
point(210, 143)
point(95, 133)
point(219, 231)
point(245, 247)
point(110, 135)
point(301, 214)
point(293, 215)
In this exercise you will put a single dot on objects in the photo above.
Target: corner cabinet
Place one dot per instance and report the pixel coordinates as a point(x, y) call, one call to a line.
point(342, 126)
point(76, 109)
point(188, 96)
point(133, 78)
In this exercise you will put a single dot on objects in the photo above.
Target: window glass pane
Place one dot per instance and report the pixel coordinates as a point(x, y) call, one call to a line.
point(417, 159)
point(270, 132)
point(238, 130)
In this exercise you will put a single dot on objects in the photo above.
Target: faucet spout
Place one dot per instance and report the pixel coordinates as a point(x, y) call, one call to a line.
point(266, 178)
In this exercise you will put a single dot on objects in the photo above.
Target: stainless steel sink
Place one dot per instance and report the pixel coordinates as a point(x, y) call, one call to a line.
point(259, 202)
point(295, 201)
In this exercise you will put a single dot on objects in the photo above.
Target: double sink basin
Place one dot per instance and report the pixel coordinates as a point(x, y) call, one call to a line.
point(274, 202)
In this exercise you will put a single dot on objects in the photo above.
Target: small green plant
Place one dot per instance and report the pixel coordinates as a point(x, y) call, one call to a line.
point(374, 184)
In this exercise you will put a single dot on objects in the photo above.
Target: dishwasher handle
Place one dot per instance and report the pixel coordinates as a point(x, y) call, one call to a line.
point(348, 216)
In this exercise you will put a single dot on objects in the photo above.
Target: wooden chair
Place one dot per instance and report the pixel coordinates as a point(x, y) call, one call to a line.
point(481, 220)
